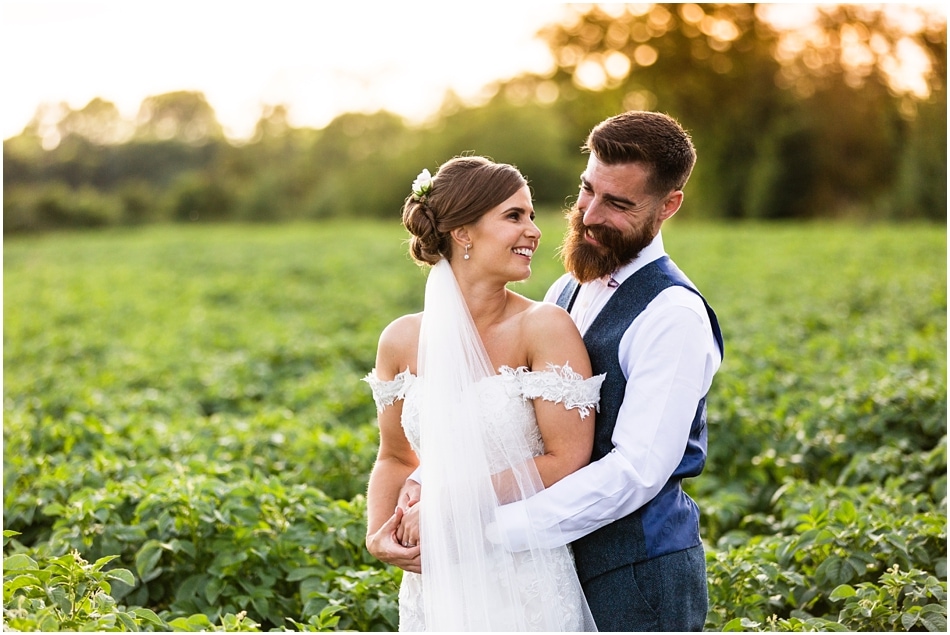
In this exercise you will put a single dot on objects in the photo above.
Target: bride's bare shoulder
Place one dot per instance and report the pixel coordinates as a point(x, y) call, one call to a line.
point(548, 316)
point(398, 345)
point(552, 338)
point(544, 321)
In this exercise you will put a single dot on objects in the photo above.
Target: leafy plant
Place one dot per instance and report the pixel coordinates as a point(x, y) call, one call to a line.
point(183, 405)
point(67, 593)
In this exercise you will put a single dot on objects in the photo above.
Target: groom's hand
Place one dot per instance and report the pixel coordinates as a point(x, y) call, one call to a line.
point(386, 547)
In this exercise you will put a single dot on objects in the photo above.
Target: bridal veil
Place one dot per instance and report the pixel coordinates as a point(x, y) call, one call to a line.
point(470, 583)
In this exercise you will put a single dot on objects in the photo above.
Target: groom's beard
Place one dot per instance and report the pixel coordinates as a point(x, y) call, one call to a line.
point(588, 262)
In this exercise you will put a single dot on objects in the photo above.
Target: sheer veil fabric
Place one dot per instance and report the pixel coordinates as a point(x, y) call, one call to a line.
point(471, 584)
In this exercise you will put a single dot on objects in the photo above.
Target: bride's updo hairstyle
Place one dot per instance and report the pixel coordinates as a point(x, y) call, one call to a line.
point(462, 190)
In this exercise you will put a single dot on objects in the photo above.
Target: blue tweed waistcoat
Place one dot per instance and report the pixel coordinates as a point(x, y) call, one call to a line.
point(670, 521)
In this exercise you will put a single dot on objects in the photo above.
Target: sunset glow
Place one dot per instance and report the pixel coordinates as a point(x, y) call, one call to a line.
point(324, 59)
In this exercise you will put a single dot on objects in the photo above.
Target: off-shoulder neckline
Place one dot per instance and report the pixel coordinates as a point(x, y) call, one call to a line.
point(503, 371)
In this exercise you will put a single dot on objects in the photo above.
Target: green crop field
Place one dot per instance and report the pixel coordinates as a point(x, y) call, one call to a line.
point(187, 439)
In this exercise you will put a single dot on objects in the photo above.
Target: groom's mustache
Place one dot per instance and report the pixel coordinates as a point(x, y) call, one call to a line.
point(608, 237)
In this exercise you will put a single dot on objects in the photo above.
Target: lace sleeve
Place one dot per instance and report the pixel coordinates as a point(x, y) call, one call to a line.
point(385, 393)
point(561, 384)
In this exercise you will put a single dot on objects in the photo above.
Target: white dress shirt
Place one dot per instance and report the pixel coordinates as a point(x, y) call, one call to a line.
point(668, 356)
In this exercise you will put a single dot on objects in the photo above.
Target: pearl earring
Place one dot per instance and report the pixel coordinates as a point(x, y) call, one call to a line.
point(467, 247)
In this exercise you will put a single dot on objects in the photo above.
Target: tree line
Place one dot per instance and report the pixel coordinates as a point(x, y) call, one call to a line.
point(789, 123)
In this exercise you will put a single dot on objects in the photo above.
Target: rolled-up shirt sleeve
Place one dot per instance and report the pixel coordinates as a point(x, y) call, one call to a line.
point(669, 357)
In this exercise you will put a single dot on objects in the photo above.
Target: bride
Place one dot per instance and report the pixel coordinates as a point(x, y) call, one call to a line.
point(491, 394)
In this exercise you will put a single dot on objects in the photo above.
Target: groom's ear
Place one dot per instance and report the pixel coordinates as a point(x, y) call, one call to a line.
point(671, 205)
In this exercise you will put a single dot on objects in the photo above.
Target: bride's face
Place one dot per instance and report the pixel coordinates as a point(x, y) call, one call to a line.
point(505, 238)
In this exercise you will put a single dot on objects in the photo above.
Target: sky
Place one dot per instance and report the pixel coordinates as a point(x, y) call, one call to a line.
point(319, 58)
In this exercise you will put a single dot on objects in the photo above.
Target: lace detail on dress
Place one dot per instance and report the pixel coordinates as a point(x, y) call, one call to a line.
point(560, 384)
point(509, 421)
point(385, 393)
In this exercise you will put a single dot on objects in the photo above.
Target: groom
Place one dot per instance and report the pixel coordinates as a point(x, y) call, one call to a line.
point(634, 532)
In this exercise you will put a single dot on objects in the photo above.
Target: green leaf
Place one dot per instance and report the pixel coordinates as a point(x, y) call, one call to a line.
point(189, 588)
point(213, 589)
point(846, 512)
point(128, 623)
point(785, 551)
point(18, 562)
point(806, 538)
point(834, 570)
point(261, 604)
point(103, 561)
point(740, 624)
point(21, 581)
point(227, 559)
point(311, 586)
point(302, 573)
point(146, 558)
point(149, 616)
point(183, 546)
point(824, 537)
point(934, 618)
point(910, 618)
point(328, 618)
point(196, 622)
point(130, 534)
point(842, 591)
point(122, 575)
point(54, 509)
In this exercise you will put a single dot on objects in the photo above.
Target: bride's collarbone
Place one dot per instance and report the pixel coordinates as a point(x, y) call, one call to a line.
point(506, 351)
point(507, 341)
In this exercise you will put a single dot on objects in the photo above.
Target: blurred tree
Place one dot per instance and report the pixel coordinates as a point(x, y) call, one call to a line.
point(196, 196)
point(651, 57)
point(273, 166)
point(800, 120)
point(99, 122)
point(921, 188)
point(784, 129)
point(159, 162)
point(510, 128)
point(184, 116)
point(357, 165)
point(273, 124)
point(22, 159)
point(44, 126)
point(857, 43)
point(269, 175)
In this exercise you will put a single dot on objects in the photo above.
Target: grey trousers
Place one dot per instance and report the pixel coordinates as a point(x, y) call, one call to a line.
point(662, 594)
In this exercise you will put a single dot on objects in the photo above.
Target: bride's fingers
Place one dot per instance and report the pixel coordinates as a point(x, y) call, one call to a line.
point(399, 532)
point(409, 533)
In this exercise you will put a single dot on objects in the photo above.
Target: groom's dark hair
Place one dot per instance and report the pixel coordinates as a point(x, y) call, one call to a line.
point(651, 138)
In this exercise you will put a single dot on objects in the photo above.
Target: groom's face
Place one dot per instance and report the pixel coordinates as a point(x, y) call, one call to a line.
point(614, 218)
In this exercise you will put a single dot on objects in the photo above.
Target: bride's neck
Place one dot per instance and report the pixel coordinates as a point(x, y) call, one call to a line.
point(488, 303)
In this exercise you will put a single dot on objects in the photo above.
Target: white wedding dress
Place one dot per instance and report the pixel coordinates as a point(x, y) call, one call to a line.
point(549, 595)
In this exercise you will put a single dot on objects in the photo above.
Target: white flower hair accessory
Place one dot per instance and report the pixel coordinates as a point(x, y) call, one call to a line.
point(422, 185)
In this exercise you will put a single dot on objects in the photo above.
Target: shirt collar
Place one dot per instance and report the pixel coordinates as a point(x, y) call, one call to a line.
point(653, 251)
